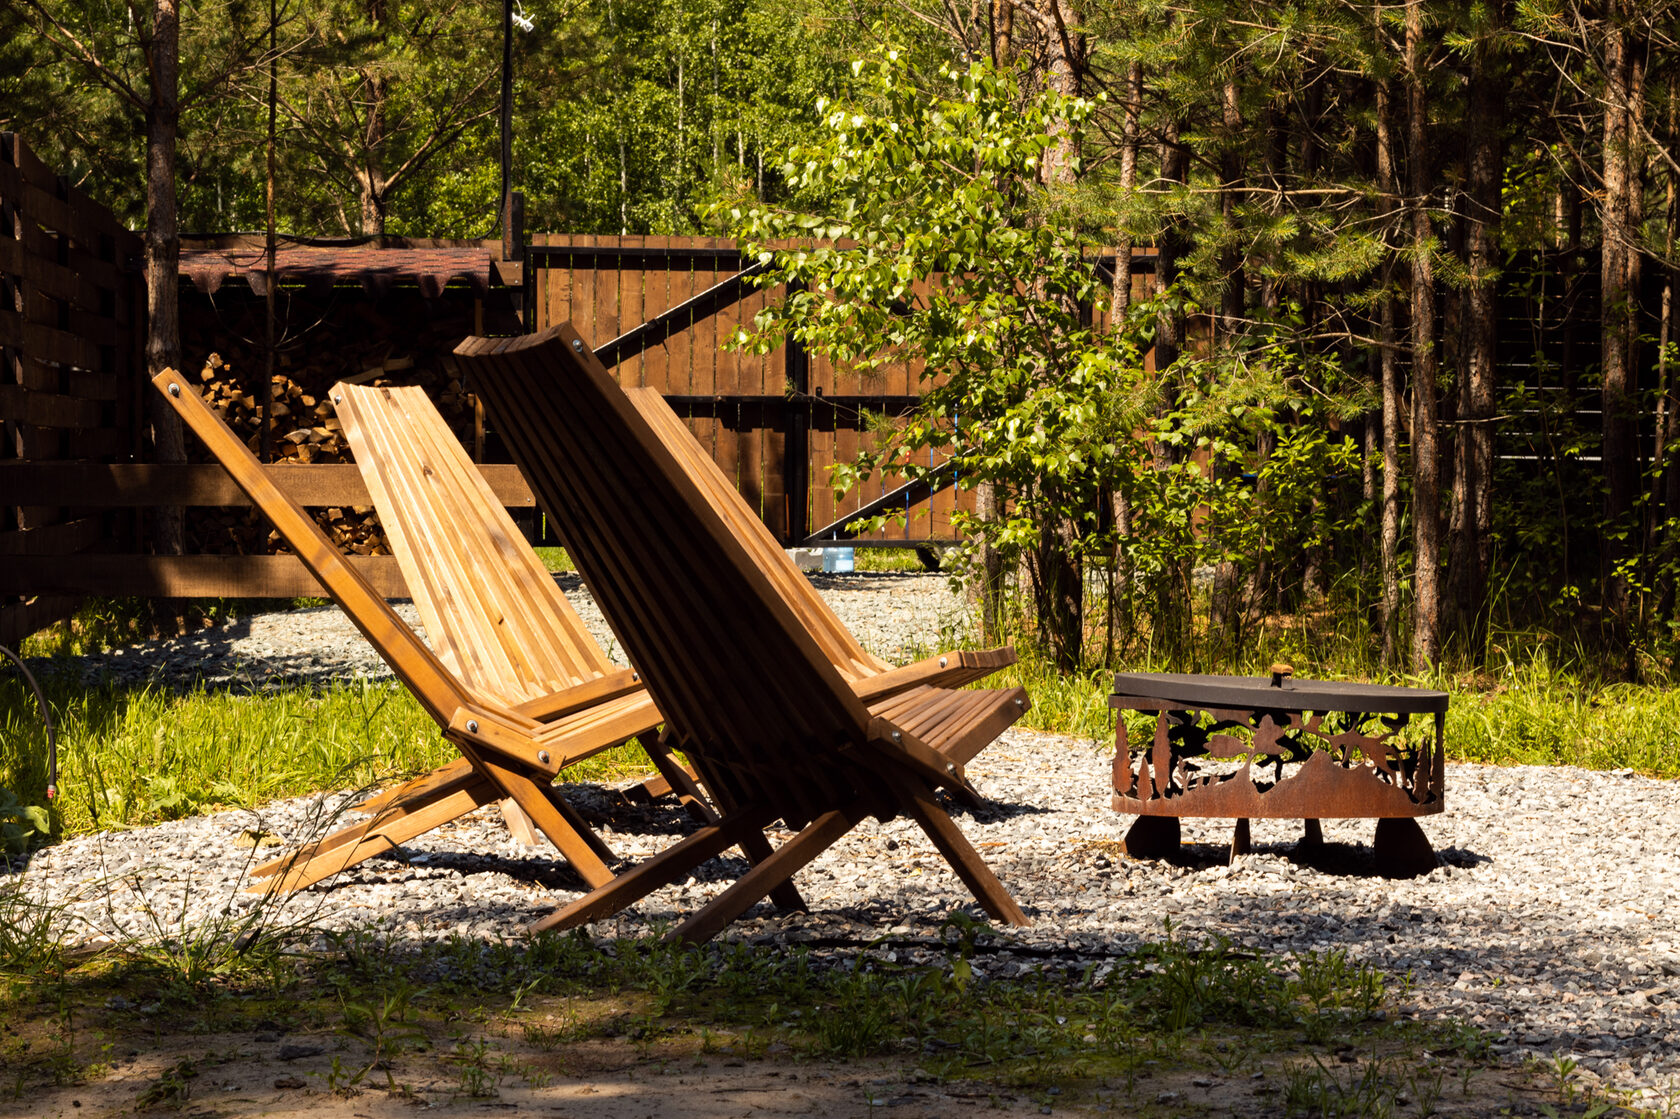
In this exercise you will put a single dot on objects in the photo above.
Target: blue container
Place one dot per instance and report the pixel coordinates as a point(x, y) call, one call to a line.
point(839, 561)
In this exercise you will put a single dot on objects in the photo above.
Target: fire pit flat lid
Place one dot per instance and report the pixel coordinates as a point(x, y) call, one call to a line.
point(1258, 692)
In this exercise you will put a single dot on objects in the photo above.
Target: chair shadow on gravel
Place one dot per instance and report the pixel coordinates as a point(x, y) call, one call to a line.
point(992, 811)
point(602, 805)
point(543, 867)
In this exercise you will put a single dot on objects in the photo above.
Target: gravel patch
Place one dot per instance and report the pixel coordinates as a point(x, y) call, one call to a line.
point(1550, 920)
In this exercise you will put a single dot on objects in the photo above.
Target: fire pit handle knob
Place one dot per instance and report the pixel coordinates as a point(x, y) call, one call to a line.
point(1280, 673)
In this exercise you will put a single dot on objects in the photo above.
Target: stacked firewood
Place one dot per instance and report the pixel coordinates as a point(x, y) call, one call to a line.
point(398, 338)
point(304, 429)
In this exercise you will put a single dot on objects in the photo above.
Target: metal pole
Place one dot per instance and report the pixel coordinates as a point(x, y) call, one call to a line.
point(507, 130)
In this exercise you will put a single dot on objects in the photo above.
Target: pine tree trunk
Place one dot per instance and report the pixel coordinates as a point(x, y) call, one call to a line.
point(1393, 394)
point(163, 253)
point(371, 178)
point(1426, 513)
point(1667, 496)
point(1473, 476)
point(1175, 168)
point(1618, 429)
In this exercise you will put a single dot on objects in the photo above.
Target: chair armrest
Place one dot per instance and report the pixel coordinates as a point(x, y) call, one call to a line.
point(950, 669)
point(476, 727)
point(547, 708)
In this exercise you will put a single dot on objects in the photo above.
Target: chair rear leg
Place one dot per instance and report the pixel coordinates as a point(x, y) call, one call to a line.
point(661, 870)
point(783, 864)
point(785, 893)
point(578, 824)
point(562, 831)
point(962, 856)
point(518, 824)
point(676, 778)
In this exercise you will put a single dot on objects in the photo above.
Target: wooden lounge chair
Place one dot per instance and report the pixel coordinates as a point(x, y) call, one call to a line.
point(491, 610)
point(515, 731)
point(749, 692)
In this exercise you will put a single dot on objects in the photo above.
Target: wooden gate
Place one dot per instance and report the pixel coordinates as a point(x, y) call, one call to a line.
point(659, 310)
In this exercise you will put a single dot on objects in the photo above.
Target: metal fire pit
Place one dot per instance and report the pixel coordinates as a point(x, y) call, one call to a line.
point(1257, 747)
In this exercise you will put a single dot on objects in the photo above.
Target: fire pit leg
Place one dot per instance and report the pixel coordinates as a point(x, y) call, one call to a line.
point(1153, 837)
point(1401, 849)
point(1240, 841)
point(1312, 837)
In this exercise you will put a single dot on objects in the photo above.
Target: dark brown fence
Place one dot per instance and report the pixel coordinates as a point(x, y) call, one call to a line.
point(776, 422)
point(71, 300)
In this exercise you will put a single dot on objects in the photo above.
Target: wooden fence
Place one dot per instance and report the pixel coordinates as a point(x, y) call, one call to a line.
point(74, 477)
point(71, 301)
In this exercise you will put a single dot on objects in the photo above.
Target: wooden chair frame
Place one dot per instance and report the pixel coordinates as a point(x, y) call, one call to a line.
point(508, 750)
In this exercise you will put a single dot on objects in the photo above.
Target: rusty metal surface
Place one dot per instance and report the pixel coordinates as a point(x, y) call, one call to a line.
point(1307, 751)
point(1281, 690)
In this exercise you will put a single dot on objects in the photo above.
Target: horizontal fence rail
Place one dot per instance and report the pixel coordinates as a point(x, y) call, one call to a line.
point(44, 569)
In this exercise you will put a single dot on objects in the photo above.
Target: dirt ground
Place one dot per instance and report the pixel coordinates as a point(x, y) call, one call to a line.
point(330, 1076)
point(242, 1082)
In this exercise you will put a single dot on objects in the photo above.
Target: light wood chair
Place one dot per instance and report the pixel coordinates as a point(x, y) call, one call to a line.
point(515, 727)
point(490, 608)
point(775, 726)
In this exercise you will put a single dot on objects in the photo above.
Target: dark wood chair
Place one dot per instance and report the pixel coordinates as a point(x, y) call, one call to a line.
point(872, 677)
point(775, 729)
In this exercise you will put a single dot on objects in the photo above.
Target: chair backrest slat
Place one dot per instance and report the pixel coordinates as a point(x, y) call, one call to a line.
point(439, 691)
point(830, 633)
point(732, 667)
point(488, 604)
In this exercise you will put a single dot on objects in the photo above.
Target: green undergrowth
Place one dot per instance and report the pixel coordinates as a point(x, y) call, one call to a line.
point(1532, 712)
point(494, 1012)
point(133, 756)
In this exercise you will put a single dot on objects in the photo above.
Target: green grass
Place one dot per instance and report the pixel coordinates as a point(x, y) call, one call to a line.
point(139, 755)
point(555, 559)
point(1532, 715)
point(886, 559)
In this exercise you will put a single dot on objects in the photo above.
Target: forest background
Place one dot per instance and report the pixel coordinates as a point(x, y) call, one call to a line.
point(1411, 308)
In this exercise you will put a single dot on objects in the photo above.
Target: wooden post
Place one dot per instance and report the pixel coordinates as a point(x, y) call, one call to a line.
point(796, 453)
